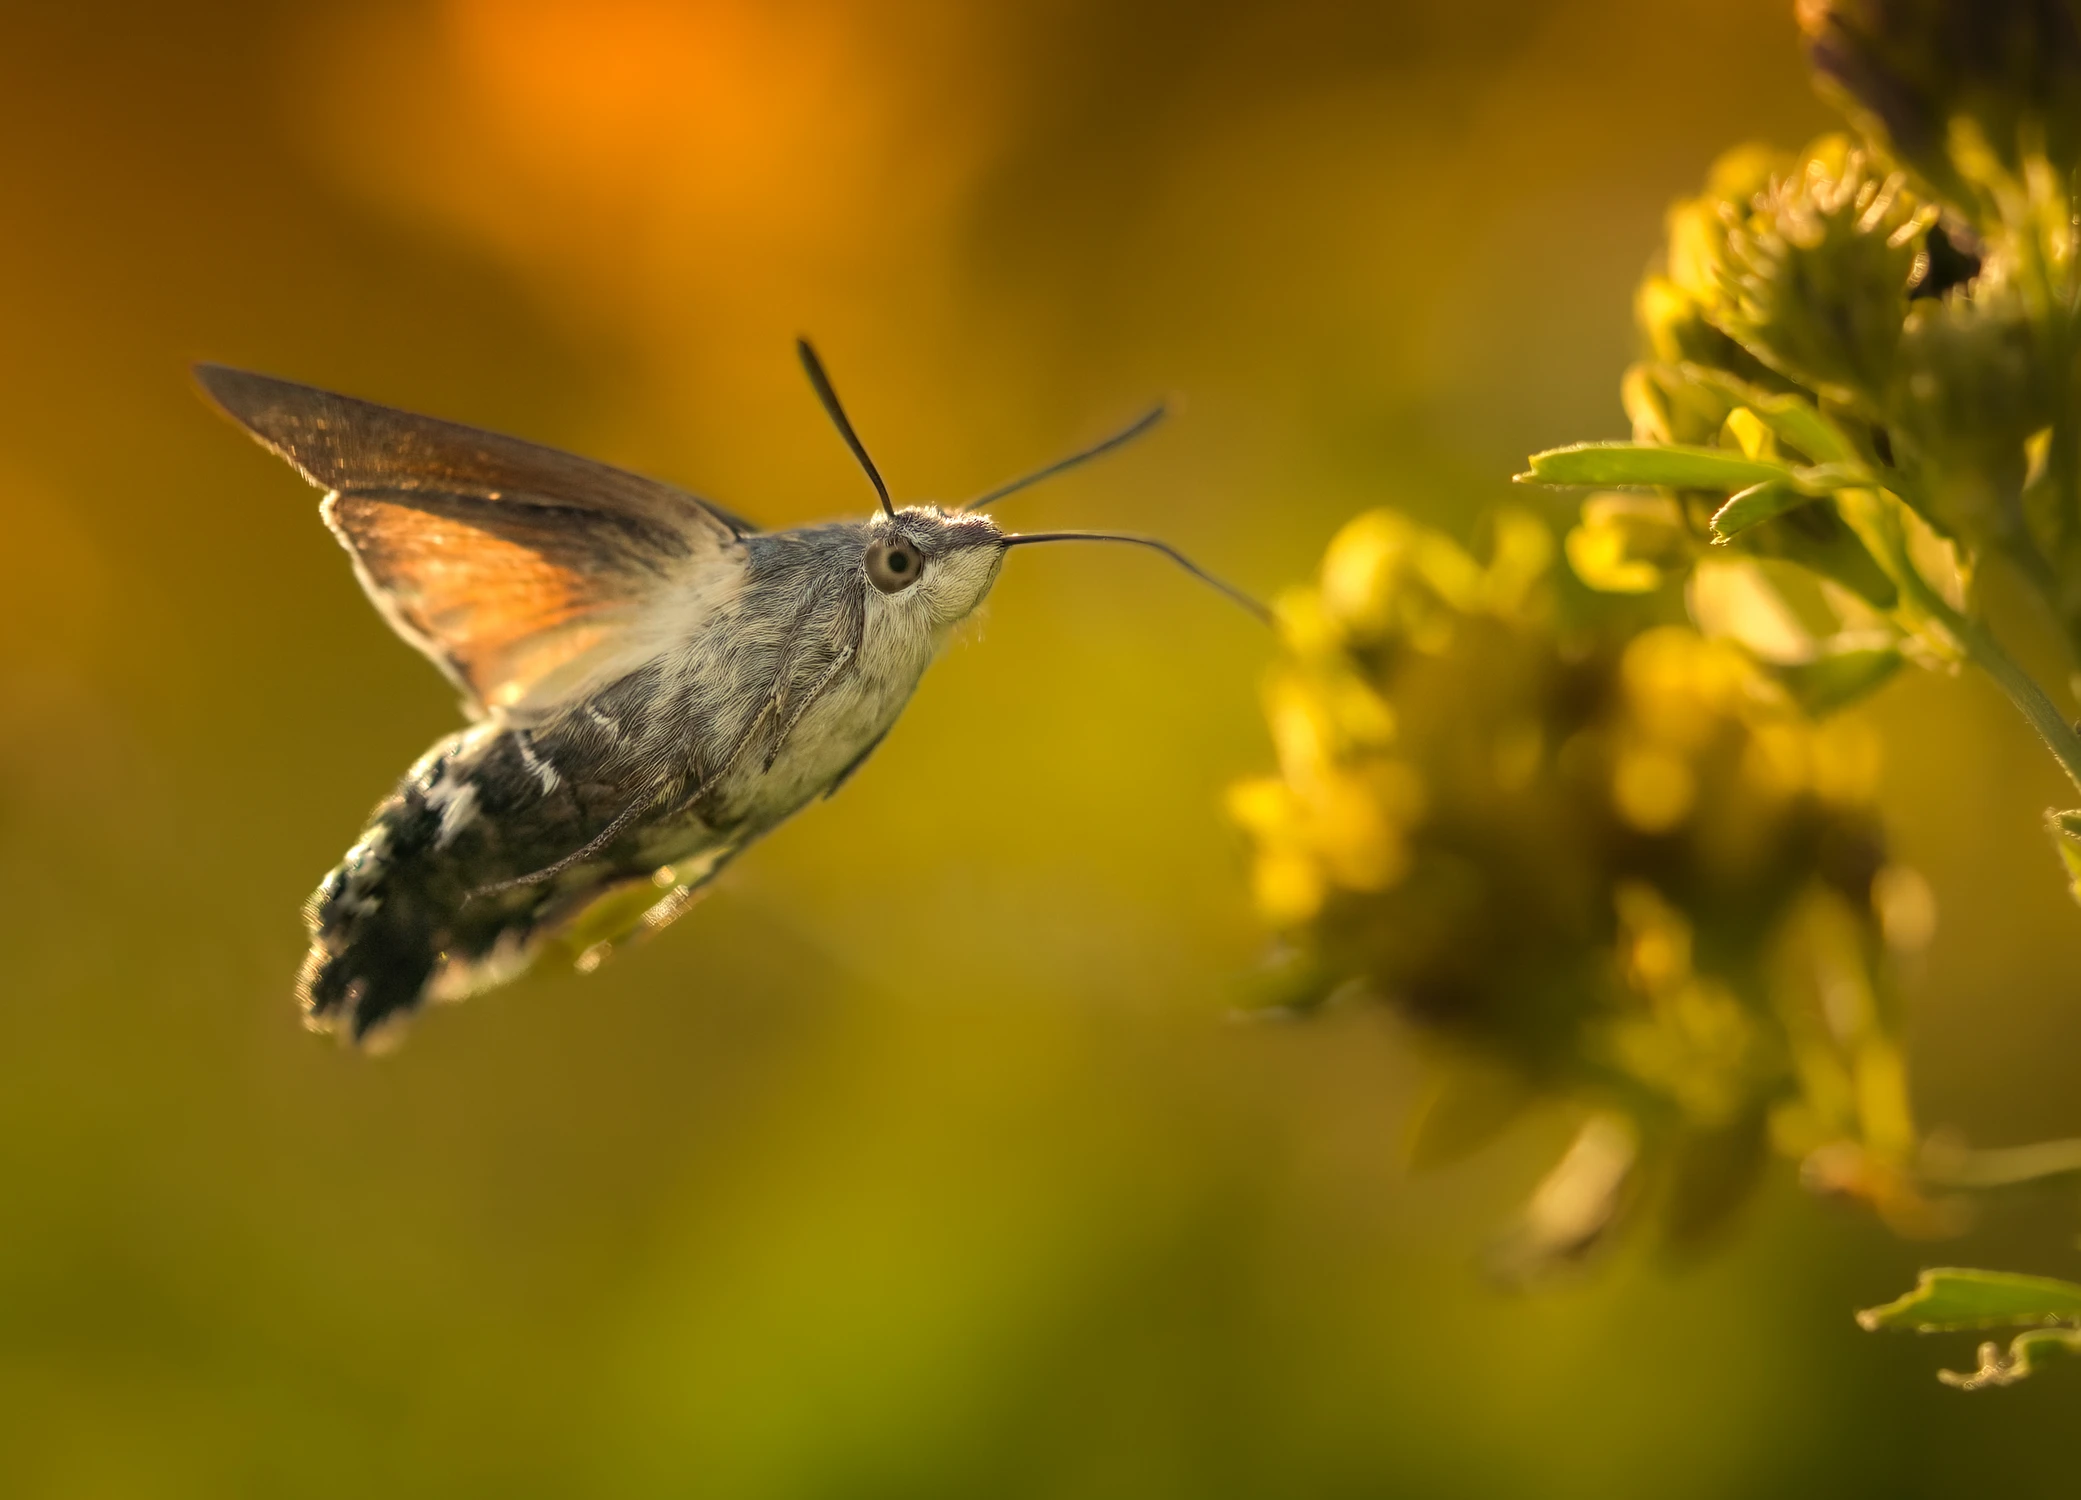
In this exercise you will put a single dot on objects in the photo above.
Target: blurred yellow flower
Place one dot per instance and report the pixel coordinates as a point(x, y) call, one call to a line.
point(1613, 864)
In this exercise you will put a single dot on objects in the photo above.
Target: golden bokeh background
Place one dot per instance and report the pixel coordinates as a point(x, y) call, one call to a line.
point(922, 1159)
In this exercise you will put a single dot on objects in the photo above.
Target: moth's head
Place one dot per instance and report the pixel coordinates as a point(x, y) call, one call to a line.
point(935, 561)
point(942, 562)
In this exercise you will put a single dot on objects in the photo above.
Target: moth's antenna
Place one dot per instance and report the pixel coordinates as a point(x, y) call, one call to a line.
point(1026, 538)
point(1127, 434)
point(822, 384)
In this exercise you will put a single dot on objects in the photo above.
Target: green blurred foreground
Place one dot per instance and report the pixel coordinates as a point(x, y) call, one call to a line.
point(922, 1159)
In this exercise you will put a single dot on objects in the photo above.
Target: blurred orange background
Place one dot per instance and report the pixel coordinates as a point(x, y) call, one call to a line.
point(922, 1159)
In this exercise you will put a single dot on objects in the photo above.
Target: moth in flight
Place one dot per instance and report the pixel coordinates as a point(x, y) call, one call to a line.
point(653, 682)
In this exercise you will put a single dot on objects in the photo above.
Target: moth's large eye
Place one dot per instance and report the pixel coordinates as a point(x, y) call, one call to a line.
point(893, 565)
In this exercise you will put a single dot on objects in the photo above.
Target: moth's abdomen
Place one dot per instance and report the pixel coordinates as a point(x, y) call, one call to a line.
point(373, 945)
point(417, 911)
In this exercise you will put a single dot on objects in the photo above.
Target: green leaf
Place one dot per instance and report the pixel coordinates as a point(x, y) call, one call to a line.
point(1951, 1298)
point(1574, 1205)
point(1816, 538)
point(1947, 1162)
point(1469, 1106)
point(1755, 505)
point(1838, 679)
point(1795, 419)
point(2065, 828)
point(1712, 1174)
point(1800, 425)
point(2027, 1354)
point(1672, 465)
point(1293, 982)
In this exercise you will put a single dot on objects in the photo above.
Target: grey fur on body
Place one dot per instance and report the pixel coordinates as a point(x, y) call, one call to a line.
point(676, 686)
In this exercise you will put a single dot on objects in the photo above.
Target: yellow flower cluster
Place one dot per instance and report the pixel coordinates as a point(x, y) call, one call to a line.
point(1590, 860)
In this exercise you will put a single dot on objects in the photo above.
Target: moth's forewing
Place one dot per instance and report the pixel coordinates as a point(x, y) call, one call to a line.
point(511, 565)
point(344, 443)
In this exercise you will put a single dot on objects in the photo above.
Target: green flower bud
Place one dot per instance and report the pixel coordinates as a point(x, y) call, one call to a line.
point(1968, 393)
point(1816, 277)
point(1678, 312)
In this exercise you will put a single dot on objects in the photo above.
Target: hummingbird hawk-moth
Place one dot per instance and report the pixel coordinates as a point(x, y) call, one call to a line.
point(653, 682)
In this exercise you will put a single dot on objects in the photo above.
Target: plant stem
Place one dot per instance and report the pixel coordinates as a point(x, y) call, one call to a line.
point(1981, 648)
point(1985, 652)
